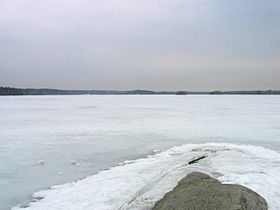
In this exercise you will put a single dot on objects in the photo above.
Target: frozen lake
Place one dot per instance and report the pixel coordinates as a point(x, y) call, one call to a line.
point(48, 140)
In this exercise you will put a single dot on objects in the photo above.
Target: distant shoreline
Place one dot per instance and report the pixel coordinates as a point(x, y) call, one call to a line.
point(6, 91)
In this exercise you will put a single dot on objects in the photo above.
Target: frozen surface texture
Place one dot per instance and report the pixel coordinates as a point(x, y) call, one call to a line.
point(50, 140)
point(139, 184)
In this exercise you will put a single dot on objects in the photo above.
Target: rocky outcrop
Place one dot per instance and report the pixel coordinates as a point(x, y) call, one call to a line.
point(198, 191)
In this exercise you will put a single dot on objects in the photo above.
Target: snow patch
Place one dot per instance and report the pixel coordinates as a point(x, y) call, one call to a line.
point(140, 183)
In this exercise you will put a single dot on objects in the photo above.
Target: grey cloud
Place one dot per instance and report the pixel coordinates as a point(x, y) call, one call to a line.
point(123, 44)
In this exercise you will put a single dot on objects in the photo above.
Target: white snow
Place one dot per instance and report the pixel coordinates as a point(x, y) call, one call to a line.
point(99, 132)
point(138, 184)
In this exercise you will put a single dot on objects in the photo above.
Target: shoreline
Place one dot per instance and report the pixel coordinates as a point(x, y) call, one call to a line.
point(109, 174)
point(51, 91)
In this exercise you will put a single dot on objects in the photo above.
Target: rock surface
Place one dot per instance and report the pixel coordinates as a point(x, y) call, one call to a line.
point(198, 191)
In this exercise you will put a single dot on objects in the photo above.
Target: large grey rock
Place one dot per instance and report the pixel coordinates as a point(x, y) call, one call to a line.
point(198, 191)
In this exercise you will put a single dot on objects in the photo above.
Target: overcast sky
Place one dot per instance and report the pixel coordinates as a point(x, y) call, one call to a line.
point(140, 44)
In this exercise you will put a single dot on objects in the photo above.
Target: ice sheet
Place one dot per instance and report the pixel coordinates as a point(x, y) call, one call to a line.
point(50, 140)
point(140, 183)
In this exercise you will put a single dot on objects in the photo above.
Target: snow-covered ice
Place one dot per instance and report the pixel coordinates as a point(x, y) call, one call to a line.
point(99, 132)
point(141, 183)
